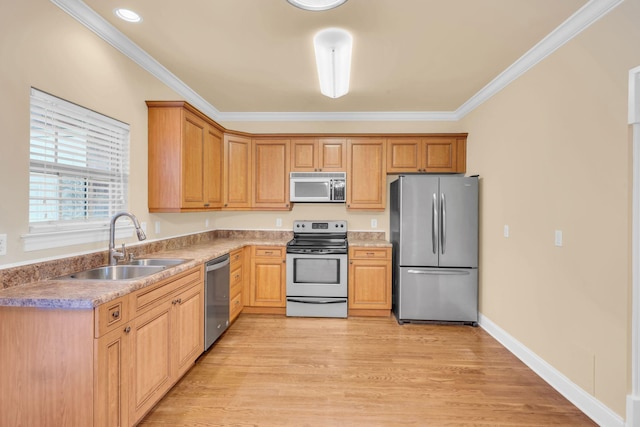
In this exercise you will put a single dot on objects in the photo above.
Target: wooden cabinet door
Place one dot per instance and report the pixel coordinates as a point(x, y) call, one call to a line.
point(304, 155)
point(268, 277)
point(366, 177)
point(332, 154)
point(271, 174)
point(439, 154)
point(214, 168)
point(404, 155)
point(112, 372)
point(237, 172)
point(369, 285)
point(193, 192)
point(189, 327)
point(150, 359)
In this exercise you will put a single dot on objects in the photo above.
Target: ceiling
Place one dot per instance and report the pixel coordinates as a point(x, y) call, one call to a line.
point(409, 55)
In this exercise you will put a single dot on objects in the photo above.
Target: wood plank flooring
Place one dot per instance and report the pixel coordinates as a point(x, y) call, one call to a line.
point(277, 371)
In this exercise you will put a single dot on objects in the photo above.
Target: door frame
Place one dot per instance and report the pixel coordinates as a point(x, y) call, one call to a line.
point(633, 400)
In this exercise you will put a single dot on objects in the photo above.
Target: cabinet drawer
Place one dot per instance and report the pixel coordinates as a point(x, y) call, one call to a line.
point(268, 251)
point(370, 253)
point(110, 315)
point(147, 297)
point(236, 259)
point(235, 282)
point(235, 306)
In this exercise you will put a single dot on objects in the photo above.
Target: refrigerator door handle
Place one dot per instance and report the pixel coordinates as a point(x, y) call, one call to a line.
point(443, 228)
point(441, 272)
point(434, 223)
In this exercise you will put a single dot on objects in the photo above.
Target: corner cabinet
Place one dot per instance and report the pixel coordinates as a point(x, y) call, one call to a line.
point(369, 281)
point(430, 154)
point(271, 174)
point(366, 175)
point(185, 159)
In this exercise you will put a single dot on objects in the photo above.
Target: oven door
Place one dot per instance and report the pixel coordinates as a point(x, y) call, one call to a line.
point(317, 275)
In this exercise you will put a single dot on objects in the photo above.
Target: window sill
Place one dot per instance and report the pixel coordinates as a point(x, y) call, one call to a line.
point(62, 238)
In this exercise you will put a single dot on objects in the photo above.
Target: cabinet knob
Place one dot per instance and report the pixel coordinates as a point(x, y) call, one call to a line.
point(225, 205)
point(116, 314)
point(284, 261)
point(127, 329)
point(206, 205)
point(351, 262)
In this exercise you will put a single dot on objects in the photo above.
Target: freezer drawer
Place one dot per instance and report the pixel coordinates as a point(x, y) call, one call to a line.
point(437, 294)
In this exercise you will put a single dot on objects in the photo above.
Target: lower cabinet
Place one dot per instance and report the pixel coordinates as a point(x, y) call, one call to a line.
point(105, 366)
point(236, 283)
point(268, 280)
point(369, 281)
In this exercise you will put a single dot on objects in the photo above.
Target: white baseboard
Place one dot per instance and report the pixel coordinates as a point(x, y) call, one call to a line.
point(587, 403)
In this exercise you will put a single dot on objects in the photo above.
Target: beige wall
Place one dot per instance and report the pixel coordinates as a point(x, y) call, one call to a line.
point(553, 152)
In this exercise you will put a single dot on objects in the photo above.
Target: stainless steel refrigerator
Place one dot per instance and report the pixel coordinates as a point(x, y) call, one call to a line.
point(434, 232)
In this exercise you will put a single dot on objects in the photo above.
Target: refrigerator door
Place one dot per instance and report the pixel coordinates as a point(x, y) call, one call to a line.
point(437, 294)
point(418, 220)
point(458, 202)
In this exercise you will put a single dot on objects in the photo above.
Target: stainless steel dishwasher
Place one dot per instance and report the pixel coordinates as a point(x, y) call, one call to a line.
point(216, 299)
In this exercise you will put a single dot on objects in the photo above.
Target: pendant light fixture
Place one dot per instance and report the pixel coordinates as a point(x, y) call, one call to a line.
point(333, 59)
point(316, 5)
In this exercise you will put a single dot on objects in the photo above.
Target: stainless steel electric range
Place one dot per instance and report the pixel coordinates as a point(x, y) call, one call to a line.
point(317, 269)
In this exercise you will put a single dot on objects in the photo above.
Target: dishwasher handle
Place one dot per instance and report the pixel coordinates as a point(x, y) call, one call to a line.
point(218, 263)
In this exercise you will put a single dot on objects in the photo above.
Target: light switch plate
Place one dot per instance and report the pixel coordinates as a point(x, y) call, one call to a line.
point(3, 244)
point(505, 231)
point(278, 222)
point(374, 223)
point(558, 237)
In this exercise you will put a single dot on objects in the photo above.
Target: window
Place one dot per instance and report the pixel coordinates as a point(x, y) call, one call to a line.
point(78, 168)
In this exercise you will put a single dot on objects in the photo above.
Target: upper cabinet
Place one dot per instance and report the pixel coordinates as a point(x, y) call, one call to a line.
point(185, 155)
point(435, 154)
point(318, 155)
point(366, 177)
point(271, 174)
point(237, 172)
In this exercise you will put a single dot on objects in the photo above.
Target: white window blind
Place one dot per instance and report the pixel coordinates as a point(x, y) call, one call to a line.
point(79, 165)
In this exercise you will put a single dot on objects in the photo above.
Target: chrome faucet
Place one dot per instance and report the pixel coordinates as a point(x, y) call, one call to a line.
point(115, 255)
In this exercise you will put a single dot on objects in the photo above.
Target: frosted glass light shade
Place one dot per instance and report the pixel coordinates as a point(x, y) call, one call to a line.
point(333, 58)
point(316, 4)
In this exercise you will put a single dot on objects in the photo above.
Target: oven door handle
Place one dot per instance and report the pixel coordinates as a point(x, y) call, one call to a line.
point(332, 301)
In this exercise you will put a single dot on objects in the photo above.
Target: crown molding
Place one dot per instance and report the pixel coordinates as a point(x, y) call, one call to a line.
point(576, 23)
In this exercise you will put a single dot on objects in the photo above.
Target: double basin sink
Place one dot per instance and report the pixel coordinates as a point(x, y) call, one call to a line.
point(133, 269)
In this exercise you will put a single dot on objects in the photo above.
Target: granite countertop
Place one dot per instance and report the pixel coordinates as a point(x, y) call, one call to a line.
point(87, 294)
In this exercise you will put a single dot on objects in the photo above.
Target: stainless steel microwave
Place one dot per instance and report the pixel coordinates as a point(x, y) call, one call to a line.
point(318, 187)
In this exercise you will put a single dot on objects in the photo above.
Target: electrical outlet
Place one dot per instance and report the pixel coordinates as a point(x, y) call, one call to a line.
point(558, 237)
point(3, 244)
point(278, 222)
point(157, 227)
point(374, 223)
point(143, 225)
point(506, 231)
point(206, 223)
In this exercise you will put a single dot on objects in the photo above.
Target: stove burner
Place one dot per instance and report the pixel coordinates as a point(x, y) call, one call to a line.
point(318, 237)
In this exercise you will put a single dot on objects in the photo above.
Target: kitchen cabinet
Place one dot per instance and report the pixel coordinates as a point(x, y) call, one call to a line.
point(236, 283)
point(268, 278)
point(366, 177)
point(184, 159)
point(271, 174)
point(237, 172)
point(429, 154)
point(369, 281)
point(102, 367)
point(167, 336)
point(318, 155)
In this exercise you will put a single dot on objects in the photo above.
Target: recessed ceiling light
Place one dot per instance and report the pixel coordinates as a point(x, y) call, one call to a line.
point(127, 15)
point(316, 4)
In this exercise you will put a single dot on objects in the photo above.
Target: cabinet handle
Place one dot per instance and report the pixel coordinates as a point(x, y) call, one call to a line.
point(237, 276)
point(225, 205)
point(177, 301)
point(206, 205)
point(370, 253)
point(284, 261)
point(268, 253)
point(351, 262)
point(127, 329)
point(116, 314)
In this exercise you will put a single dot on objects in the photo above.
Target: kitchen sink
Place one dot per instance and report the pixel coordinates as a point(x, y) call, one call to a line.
point(114, 272)
point(165, 262)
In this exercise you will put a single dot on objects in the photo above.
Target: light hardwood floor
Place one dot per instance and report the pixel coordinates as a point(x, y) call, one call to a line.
point(278, 371)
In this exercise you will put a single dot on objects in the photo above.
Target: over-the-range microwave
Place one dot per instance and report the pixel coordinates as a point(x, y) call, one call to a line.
point(318, 187)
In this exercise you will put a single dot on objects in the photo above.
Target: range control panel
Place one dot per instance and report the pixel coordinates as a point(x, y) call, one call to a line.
point(319, 226)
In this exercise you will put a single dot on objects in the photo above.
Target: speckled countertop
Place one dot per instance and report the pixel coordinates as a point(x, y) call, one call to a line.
point(87, 294)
